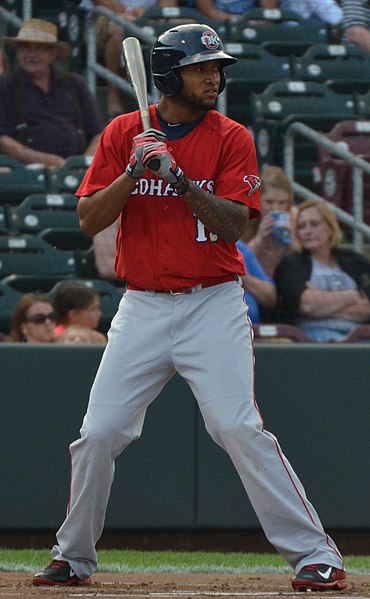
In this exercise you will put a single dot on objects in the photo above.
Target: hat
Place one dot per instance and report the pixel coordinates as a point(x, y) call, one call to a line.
point(36, 31)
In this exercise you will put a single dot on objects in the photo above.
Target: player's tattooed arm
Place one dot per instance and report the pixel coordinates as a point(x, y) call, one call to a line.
point(225, 218)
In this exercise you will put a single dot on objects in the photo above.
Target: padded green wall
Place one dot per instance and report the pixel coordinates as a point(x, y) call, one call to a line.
point(316, 400)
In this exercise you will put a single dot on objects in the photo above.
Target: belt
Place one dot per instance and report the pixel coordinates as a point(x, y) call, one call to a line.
point(199, 287)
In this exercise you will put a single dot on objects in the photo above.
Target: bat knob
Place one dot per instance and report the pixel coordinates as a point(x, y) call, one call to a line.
point(154, 164)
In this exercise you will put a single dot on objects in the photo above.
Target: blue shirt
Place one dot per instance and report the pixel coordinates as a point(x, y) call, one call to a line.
point(253, 268)
point(234, 7)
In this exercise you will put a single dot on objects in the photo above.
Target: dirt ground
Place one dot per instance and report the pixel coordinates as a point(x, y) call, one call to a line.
point(162, 586)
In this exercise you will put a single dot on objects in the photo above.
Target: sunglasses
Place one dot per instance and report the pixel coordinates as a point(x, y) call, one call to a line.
point(41, 318)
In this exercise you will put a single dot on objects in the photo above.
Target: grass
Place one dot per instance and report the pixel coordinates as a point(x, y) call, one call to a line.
point(124, 561)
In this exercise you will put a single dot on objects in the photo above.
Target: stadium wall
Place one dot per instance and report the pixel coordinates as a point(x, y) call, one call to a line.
point(316, 401)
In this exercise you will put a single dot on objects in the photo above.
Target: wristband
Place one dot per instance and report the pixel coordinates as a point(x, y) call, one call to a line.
point(182, 186)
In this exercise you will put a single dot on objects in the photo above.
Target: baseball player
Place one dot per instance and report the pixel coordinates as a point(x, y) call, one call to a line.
point(183, 310)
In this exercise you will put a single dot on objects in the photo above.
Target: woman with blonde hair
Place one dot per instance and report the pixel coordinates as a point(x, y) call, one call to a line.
point(33, 320)
point(276, 202)
point(323, 289)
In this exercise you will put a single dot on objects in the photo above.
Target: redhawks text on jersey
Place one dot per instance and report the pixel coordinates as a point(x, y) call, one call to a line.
point(161, 244)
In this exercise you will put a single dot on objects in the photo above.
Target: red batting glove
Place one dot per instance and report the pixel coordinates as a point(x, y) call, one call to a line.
point(158, 158)
point(135, 167)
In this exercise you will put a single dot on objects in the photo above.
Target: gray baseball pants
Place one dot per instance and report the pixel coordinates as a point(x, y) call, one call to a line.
point(206, 337)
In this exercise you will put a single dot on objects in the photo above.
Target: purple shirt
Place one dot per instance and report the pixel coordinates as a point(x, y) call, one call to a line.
point(52, 117)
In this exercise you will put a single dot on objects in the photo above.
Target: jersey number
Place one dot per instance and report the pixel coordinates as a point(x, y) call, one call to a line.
point(202, 233)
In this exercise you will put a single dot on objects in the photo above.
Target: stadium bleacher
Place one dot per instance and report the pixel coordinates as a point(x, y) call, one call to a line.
point(288, 70)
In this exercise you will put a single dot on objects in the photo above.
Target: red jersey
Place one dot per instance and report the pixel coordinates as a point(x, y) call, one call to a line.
point(161, 244)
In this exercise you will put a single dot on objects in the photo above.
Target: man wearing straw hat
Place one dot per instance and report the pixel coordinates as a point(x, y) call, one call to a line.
point(45, 115)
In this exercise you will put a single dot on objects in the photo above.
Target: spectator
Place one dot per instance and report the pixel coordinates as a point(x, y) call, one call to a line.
point(76, 304)
point(33, 320)
point(259, 288)
point(224, 9)
point(109, 37)
point(276, 195)
point(45, 115)
point(327, 11)
point(77, 335)
point(324, 289)
point(356, 23)
point(4, 63)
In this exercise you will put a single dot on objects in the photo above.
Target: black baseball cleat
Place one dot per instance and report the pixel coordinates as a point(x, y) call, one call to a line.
point(59, 573)
point(319, 577)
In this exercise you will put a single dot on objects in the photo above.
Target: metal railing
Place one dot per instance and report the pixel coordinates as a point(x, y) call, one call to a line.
point(359, 167)
point(93, 68)
point(10, 18)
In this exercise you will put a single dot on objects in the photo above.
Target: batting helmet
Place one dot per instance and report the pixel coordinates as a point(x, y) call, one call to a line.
point(181, 46)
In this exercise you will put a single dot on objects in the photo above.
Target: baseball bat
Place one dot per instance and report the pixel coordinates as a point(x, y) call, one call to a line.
point(134, 60)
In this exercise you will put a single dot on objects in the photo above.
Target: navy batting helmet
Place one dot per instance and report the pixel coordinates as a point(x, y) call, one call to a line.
point(181, 46)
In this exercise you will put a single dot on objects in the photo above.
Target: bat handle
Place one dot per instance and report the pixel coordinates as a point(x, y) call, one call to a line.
point(154, 164)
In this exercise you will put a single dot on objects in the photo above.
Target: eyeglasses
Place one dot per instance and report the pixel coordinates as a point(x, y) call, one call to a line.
point(41, 318)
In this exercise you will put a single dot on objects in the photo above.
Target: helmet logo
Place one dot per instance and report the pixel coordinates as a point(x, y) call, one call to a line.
point(210, 40)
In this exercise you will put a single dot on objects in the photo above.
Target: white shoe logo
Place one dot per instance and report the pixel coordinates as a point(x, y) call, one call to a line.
point(71, 573)
point(325, 574)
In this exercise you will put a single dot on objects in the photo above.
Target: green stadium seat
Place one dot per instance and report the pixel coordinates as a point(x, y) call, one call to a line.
point(255, 69)
point(3, 221)
point(41, 211)
point(281, 32)
point(285, 102)
point(18, 180)
point(155, 20)
point(68, 177)
point(363, 105)
point(34, 283)
point(85, 264)
point(345, 69)
point(8, 300)
point(28, 254)
point(66, 239)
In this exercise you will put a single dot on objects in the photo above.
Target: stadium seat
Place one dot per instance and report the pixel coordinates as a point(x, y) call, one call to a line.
point(66, 239)
point(279, 333)
point(363, 105)
point(281, 32)
point(74, 34)
point(28, 254)
point(336, 175)
point(42, 211)
point(3, 221)
point(85, 263)
point(68, 177)
point(345, 69)
point(256, 68)
point(8, 299)
point(155, 20)
point(18, 180)
point(286, 102)
point(34, 283)
point(49, 10)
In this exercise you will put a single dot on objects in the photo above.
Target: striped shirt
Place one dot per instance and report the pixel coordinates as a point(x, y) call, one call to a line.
point(356, 13)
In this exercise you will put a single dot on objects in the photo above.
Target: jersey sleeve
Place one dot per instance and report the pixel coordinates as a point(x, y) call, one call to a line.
point(238, 179)
point(107, 164)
